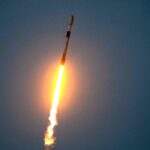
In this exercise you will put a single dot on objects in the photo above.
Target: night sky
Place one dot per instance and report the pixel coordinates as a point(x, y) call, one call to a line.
point(105, 103)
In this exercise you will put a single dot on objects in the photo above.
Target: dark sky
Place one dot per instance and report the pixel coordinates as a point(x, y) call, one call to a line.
point(107, 92)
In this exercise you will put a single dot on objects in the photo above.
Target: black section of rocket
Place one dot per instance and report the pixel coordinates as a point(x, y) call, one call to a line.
point(70, 23)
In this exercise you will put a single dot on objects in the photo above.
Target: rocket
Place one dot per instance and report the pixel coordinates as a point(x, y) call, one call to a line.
point(68, 33)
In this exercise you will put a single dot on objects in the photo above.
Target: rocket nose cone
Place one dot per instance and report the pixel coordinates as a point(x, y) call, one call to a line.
point(71, 20)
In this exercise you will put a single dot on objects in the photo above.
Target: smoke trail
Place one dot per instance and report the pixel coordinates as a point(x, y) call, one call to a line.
point(50, 138)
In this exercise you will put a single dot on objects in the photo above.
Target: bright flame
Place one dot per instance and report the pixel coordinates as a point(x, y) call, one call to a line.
point(49, 134)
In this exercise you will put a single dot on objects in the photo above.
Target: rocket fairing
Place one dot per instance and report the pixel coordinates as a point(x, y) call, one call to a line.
point(70, 23)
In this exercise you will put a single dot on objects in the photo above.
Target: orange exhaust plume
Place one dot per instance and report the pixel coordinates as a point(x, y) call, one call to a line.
point(50, 138)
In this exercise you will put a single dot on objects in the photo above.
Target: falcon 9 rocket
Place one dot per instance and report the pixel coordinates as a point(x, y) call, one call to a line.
point(70, 23)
